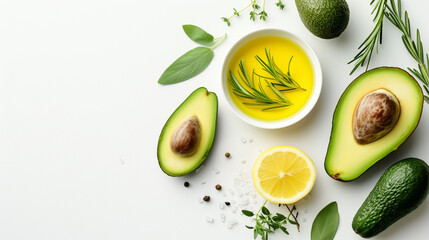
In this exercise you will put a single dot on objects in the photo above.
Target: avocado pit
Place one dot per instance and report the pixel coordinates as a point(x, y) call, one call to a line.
point(186, 137)
point(375, 116)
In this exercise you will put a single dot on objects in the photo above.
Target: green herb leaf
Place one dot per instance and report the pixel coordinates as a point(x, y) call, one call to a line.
point(326, 223)
point(265, 211)
point(226, 20)
point(280, 4)
point(247, 213)
point(198, 35)
point(265, 224)
point(187, 66)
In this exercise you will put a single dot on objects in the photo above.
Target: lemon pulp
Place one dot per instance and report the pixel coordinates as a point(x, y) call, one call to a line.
point(283, 174)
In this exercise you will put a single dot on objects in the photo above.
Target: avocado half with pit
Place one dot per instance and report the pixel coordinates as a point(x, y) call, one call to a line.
point(376, 113)
point(187, 136)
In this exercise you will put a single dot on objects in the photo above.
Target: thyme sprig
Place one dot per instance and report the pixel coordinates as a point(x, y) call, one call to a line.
point(414, 48)
point(254, 13)
point(279, 82)
point(266, 222)
point(374, 38)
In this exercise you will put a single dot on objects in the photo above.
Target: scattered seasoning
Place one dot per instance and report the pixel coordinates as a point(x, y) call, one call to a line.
point(186, 184)
point(206, 198)
point(227, 203)
point(218, 187)
point(227, 154)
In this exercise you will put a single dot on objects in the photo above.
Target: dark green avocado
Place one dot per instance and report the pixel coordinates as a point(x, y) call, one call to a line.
point(324, 18)
point(399, 191)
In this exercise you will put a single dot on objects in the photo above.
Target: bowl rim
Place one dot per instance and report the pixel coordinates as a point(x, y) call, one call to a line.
point(317, 72)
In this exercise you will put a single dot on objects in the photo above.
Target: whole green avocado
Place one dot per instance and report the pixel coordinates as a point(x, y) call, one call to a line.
point(399, 191)
point(324, 18)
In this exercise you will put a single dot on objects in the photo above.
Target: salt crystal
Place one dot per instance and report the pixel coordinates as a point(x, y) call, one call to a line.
point(243, 140)
point(209, 219)
point(222, 217)
point(304, 219)
point(203, 183)
point(305, 210)
point(234, 210)
point(221, 205)
point(216, 171)
point(243, 203)
point(243, 161)
point(250, 140)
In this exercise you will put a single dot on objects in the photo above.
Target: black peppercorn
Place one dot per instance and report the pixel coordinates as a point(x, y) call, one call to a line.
point(206, 198)
point(218, 187)
point(227, 203)
point(227, 154)
point(186, 184)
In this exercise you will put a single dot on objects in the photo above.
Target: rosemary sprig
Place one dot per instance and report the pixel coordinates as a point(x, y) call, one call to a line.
point(283, 79)
point(375, 37)
point(266, 222)
point(415, 48)
point(254, 13)
point(279, 82)
point(250, 91)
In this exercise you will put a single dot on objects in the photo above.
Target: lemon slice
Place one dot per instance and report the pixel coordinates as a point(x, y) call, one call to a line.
point(283, 174)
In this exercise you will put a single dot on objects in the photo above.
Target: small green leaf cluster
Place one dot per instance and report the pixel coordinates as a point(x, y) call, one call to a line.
point(254, 13)
point(266, 222)
point(195, 60)
point(325, 224)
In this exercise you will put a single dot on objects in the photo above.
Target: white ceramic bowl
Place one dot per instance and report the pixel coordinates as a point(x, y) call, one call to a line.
point(317, 87)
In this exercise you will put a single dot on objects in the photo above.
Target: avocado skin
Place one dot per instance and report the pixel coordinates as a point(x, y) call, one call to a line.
point(399, 191)
point(324, 18)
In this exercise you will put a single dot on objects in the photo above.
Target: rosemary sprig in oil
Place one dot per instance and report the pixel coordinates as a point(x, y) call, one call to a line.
point(278, 82)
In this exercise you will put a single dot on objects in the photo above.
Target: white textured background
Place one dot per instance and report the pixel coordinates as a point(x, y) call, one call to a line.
point(81, 112)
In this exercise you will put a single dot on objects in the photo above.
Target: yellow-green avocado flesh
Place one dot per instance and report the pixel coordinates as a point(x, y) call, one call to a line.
point(346, 159)
point(203, 105)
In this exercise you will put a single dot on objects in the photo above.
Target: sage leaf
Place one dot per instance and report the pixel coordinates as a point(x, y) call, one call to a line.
point(325, 224)
point(187, 66)
point(198, 35)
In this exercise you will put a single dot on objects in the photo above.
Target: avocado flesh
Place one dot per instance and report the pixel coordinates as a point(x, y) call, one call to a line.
point(400, 190)
point(346, 159)
point(203, 105)
point(324, 18)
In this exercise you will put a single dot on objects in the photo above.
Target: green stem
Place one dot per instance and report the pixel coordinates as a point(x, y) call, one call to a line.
point(242, 10)
point(219, 41)
point(257, 213)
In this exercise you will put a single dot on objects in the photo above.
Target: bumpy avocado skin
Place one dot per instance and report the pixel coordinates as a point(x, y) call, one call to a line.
point(324, 18)
point(399, 191)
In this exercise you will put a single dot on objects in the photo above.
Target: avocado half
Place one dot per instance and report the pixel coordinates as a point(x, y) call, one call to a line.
point(346, 159)
point(202, 105)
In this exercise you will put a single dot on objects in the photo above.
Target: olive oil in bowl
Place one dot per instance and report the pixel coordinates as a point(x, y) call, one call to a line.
point(271, 78)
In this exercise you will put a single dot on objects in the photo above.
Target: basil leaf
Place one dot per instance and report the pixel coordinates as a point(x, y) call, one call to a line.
point(326, 223)
point(198, 35)
point(188, 65)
